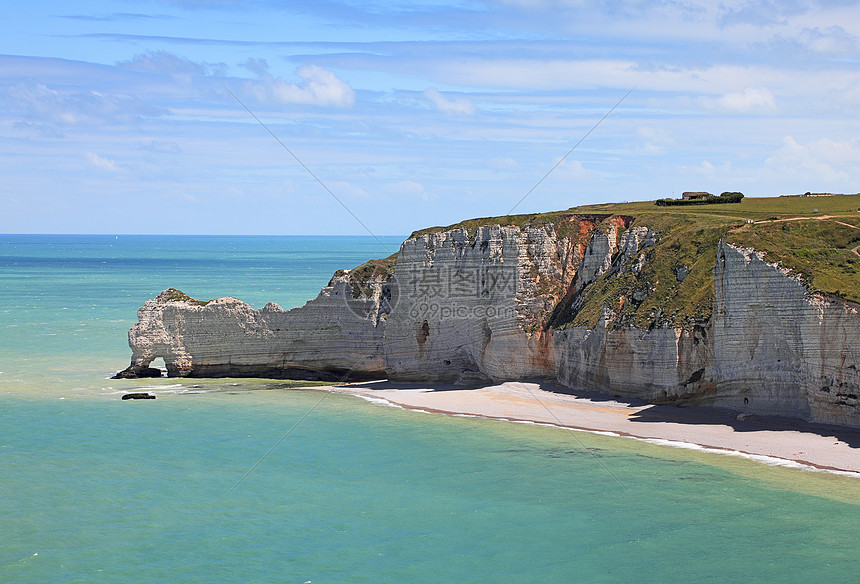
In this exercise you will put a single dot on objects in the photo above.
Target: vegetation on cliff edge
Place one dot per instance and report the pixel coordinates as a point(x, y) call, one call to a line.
point(174, 295)
point(362, 278)
point(816, 237)
point(564, 223)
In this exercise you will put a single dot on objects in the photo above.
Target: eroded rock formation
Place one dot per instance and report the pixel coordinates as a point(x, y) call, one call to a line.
point(513, 302)
point(331, 338)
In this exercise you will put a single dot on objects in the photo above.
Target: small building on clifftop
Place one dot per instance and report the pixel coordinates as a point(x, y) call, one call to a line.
point(691, 196)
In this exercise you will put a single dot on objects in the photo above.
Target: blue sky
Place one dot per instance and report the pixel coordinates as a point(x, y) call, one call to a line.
point(117, 116)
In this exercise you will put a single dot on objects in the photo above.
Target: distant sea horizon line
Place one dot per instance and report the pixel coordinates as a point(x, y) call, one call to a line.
point(204, 234)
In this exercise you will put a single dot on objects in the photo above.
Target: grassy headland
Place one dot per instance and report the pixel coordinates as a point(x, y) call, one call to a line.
point(813, 236)
point(816, 237)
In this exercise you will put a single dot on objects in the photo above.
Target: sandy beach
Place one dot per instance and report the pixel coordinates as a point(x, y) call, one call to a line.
point(824, 447)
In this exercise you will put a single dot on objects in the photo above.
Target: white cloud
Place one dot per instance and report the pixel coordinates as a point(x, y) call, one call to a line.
point(234, 193)
point(161, 147)
point(762, 12)
point(656, 134)
point(725, 94)
point(450, 105)
point(257, 66)
point(408, 189)
point(346, 189)
point(750, 100)
point(830, 40)
point(705, 167)
point(504, 163)
point(178, 196)
point(539, 4)
point(102, 163)
point(319, 87)
point(38, 129)
point(655, 139)
point(163, 62)
point(69, 106)
point(847, 96)
point(570, 169)
point(825, 160)
point(536, 74)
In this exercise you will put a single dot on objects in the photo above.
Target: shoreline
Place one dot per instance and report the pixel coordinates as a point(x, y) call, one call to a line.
point(775, 441)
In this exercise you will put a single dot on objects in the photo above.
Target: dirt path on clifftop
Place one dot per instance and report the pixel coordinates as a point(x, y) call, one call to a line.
point(819, 218)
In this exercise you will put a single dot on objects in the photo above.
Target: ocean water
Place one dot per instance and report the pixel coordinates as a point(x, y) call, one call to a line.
point(244, 481)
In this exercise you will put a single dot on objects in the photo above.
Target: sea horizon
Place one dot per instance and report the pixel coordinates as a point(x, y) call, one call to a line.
point(238, 235)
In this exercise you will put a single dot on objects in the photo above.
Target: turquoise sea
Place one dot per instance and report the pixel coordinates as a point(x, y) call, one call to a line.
point(95, 489)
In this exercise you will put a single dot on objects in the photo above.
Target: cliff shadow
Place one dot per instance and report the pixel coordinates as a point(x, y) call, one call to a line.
point(698, 415)
point(686, 415)
point(627, 400)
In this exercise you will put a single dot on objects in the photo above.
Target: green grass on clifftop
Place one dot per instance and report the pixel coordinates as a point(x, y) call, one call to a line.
point(174, 295)
point(565, 223)
point(803, 234)
point(820, 250)
point(816, 237)
point(363, 277)
point(756, 208)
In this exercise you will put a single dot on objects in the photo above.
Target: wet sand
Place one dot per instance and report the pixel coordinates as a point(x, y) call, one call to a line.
point(825, 447)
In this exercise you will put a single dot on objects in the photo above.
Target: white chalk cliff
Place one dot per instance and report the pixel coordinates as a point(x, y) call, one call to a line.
point(500, 303)
point(330, 337)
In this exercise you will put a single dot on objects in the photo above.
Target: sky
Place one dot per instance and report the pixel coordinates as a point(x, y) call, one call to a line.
point(371, 116)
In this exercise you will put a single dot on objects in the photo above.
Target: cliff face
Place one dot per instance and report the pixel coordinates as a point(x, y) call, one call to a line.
point(510, 303)
point(770, 347)
point(472, 308)
point(660, 365)
point(779, 349)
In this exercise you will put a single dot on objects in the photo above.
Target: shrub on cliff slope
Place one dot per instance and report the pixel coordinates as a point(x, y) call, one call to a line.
point(727, 197)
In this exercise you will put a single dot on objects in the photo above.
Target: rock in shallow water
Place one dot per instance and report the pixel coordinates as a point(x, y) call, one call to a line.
point(133, 372)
